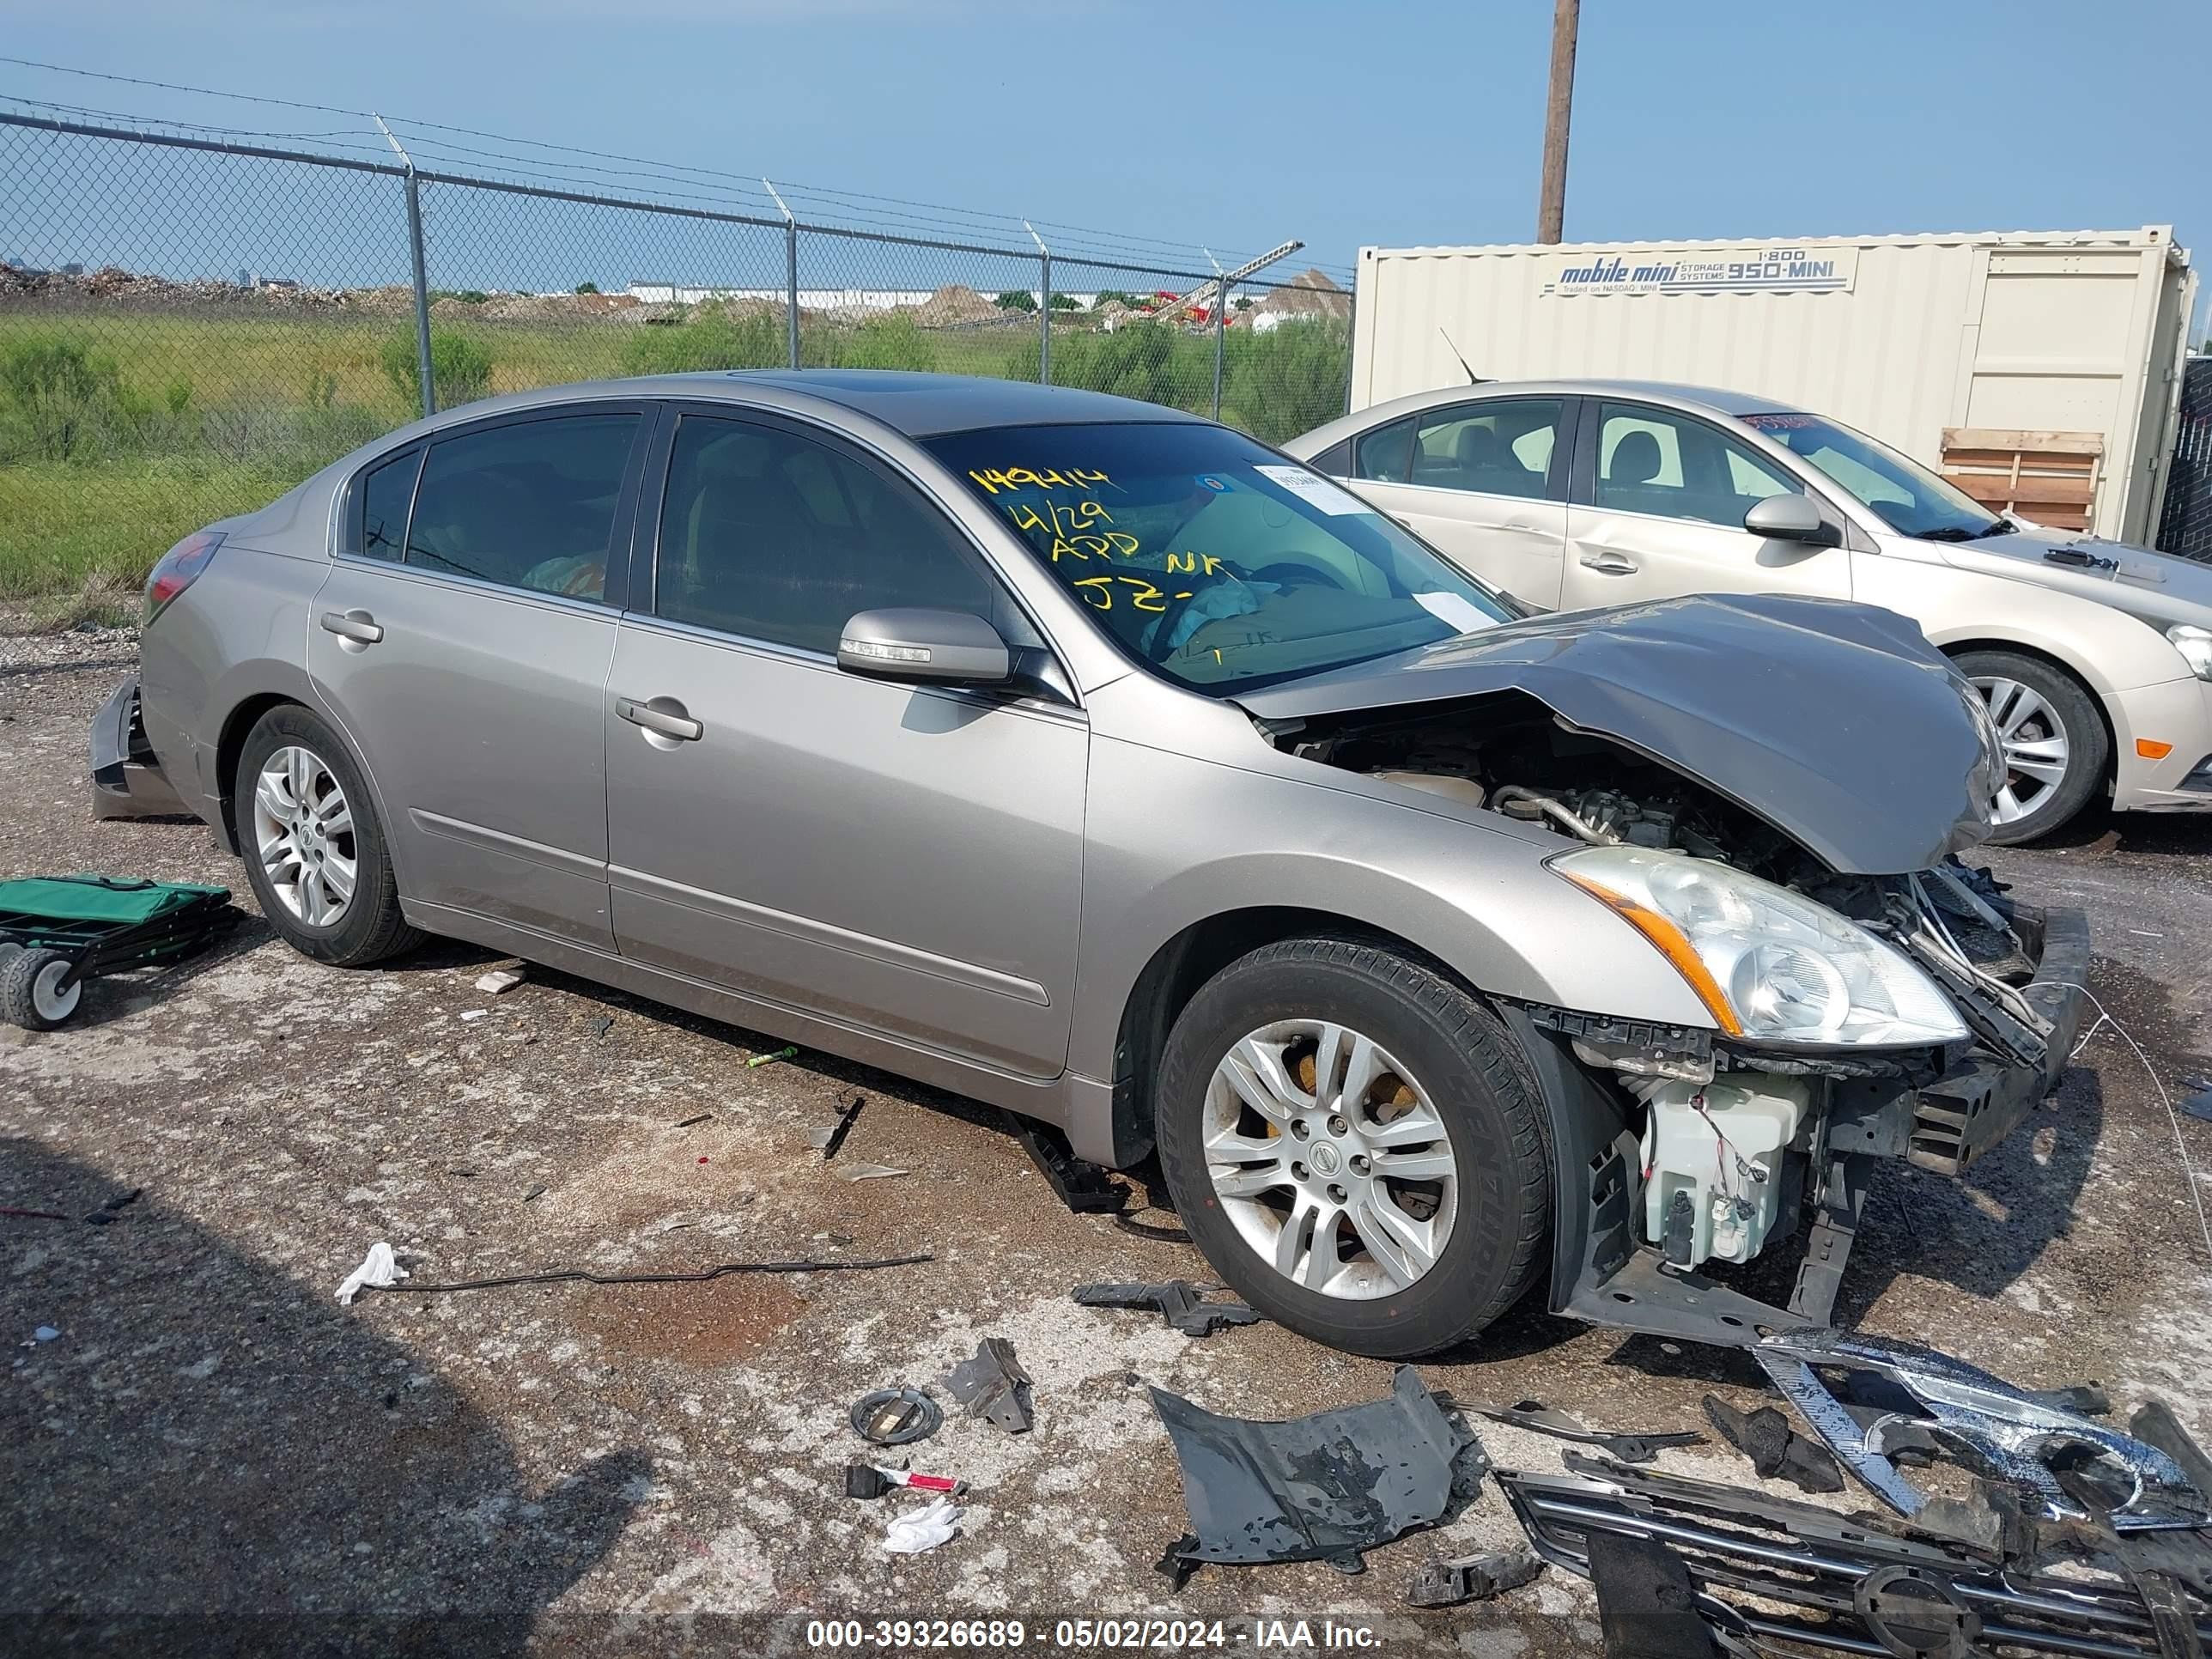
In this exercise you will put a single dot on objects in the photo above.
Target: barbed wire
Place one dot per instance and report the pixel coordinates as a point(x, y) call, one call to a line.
point(668, 180)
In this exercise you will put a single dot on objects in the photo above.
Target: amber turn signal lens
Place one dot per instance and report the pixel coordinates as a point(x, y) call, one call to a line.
point(2149, 749)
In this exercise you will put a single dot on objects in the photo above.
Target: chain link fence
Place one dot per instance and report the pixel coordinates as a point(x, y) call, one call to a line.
point(2184, 524)
point(190, 325)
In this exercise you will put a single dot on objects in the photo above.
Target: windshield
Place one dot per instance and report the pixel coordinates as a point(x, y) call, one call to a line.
point(1212, 561)
point(1903, 494)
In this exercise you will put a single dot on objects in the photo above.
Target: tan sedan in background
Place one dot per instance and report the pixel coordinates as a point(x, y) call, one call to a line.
point(2095, 655)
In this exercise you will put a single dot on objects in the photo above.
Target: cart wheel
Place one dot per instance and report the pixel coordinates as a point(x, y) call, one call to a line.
point(31, 992)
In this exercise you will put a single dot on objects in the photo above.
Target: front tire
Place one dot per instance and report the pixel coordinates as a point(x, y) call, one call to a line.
point(2055, 747)
point(1352, 1143)
point(315, 852)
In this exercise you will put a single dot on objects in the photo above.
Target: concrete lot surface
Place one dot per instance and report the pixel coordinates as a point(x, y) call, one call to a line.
point(213, 1454)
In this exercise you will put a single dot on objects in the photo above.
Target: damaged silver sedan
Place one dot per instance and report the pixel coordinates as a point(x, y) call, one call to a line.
point(1093, 761)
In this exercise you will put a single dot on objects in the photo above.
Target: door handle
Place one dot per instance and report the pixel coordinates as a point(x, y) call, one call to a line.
point(357, 627)
point(667, 722)
point(1612, 564)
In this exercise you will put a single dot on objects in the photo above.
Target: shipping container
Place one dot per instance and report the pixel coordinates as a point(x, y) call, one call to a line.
point(2039, 369)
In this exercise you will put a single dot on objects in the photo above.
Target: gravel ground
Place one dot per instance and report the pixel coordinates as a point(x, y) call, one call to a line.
point(213, 1454)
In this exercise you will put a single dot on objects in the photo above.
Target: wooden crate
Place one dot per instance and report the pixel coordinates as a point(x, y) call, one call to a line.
point(2050, 477)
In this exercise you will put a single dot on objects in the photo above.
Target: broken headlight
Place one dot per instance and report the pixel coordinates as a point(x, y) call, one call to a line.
point(1769, 964)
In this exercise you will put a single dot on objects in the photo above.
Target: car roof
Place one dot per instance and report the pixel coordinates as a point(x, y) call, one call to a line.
point(1711, 400)
point(916, 405)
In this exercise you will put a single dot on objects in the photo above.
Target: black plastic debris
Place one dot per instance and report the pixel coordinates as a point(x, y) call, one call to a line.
point(1321, 1488)
point(2198, 1105)
point(1535, 1415)
point(1776, 1449)
point(1471, 1578)
point(1085, 1188)
point(105, 1214)
point(829, 1141)
point(1647, 1607)
point(895, 1417)
point(1176, 1300)
point(993, 1386)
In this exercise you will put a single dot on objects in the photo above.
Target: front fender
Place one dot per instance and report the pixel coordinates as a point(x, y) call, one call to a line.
point(1479, 900)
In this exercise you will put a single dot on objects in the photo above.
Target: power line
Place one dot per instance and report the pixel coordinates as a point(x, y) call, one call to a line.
point(907, 215)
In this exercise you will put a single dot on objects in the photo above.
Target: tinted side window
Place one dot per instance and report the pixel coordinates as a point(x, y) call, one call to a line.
point(1382, 454)
point(1653, 460)
point(774, 537)
point(530, 505)
point(1494, 448)
point(381, 531)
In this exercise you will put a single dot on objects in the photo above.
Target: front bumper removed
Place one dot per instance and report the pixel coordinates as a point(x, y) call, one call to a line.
point(1617, 1279)
point(127, 780)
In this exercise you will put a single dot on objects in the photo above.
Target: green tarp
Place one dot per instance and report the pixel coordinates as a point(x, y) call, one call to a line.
point(93, 898)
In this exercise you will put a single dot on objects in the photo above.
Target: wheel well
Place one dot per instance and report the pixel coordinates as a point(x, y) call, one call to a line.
point(1958, 649)
point(240, 722)
point(1183, 964)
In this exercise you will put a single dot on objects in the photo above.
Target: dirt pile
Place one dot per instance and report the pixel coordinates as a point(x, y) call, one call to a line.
point(1309, 294)
point(954, 307)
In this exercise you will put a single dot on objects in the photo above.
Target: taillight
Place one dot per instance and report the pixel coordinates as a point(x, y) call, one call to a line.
point(174, 571)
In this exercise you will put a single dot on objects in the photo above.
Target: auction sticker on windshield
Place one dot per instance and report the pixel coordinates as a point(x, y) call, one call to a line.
point(1311, 487)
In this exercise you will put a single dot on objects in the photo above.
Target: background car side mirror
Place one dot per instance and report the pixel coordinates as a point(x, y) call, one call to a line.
point(1791, 519)
point(944, 647)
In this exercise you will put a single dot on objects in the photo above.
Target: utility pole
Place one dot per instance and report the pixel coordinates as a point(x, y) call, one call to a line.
point(1552, 207)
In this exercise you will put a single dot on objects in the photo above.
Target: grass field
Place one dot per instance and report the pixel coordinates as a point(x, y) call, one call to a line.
point(123, 430)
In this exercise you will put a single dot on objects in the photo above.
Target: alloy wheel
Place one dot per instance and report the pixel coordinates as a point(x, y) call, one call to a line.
point(1330, 1158)
point(303, 832)
point(2033, 737)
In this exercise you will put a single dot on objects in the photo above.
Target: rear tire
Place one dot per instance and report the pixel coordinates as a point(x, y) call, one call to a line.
point(2050, 724)
point(1435, 1056)
point(31, 991)
point(315, 852)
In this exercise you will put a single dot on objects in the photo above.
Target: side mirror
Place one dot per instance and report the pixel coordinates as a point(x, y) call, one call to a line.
point(944, 647)
point(1791, 519)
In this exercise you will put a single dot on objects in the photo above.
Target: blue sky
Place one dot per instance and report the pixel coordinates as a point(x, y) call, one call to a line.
point(1238, 125)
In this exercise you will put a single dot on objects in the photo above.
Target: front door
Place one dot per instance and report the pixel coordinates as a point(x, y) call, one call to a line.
point(905, 859)
point(1484, 483)
point(462, 641)
point(1657, 510)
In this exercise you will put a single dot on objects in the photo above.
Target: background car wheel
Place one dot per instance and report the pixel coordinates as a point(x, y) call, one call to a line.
point(2055, 741)
point(1352, 1141)
point(31, 991)
point(315, 854)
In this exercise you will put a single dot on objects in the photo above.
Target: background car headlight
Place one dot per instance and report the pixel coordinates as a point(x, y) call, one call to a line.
point(2195, 645)
point(1770, 964)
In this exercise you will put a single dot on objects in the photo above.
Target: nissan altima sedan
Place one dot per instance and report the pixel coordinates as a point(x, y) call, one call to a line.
point(1092, 760)
point(2094, 656)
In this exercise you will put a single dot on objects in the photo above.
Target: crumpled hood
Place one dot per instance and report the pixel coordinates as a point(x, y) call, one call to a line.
point(1837, 723)
point(2154, 588)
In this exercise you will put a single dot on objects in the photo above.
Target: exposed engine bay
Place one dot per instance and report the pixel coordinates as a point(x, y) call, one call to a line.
point(1736, 1139)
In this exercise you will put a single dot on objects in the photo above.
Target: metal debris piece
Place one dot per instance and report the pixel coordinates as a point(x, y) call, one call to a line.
point(993, 1386)
point(1534, 1414)
point(1471, 1578)
point(785, 1053)
point(692, 1121)
point(1321, 1488)
point(600, 1025)
point(468, 1014)
point(1176, 1300)
point(867, 1172)
point(895, 1417)
point(1776, 1449)
point(2008, 1432)
point(1085, 1188)
point(501, 979)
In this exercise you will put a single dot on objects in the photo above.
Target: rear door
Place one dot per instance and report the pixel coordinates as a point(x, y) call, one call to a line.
point(463, 641)
point(1484, 482)
point(1658, 503)
point(907, 860)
